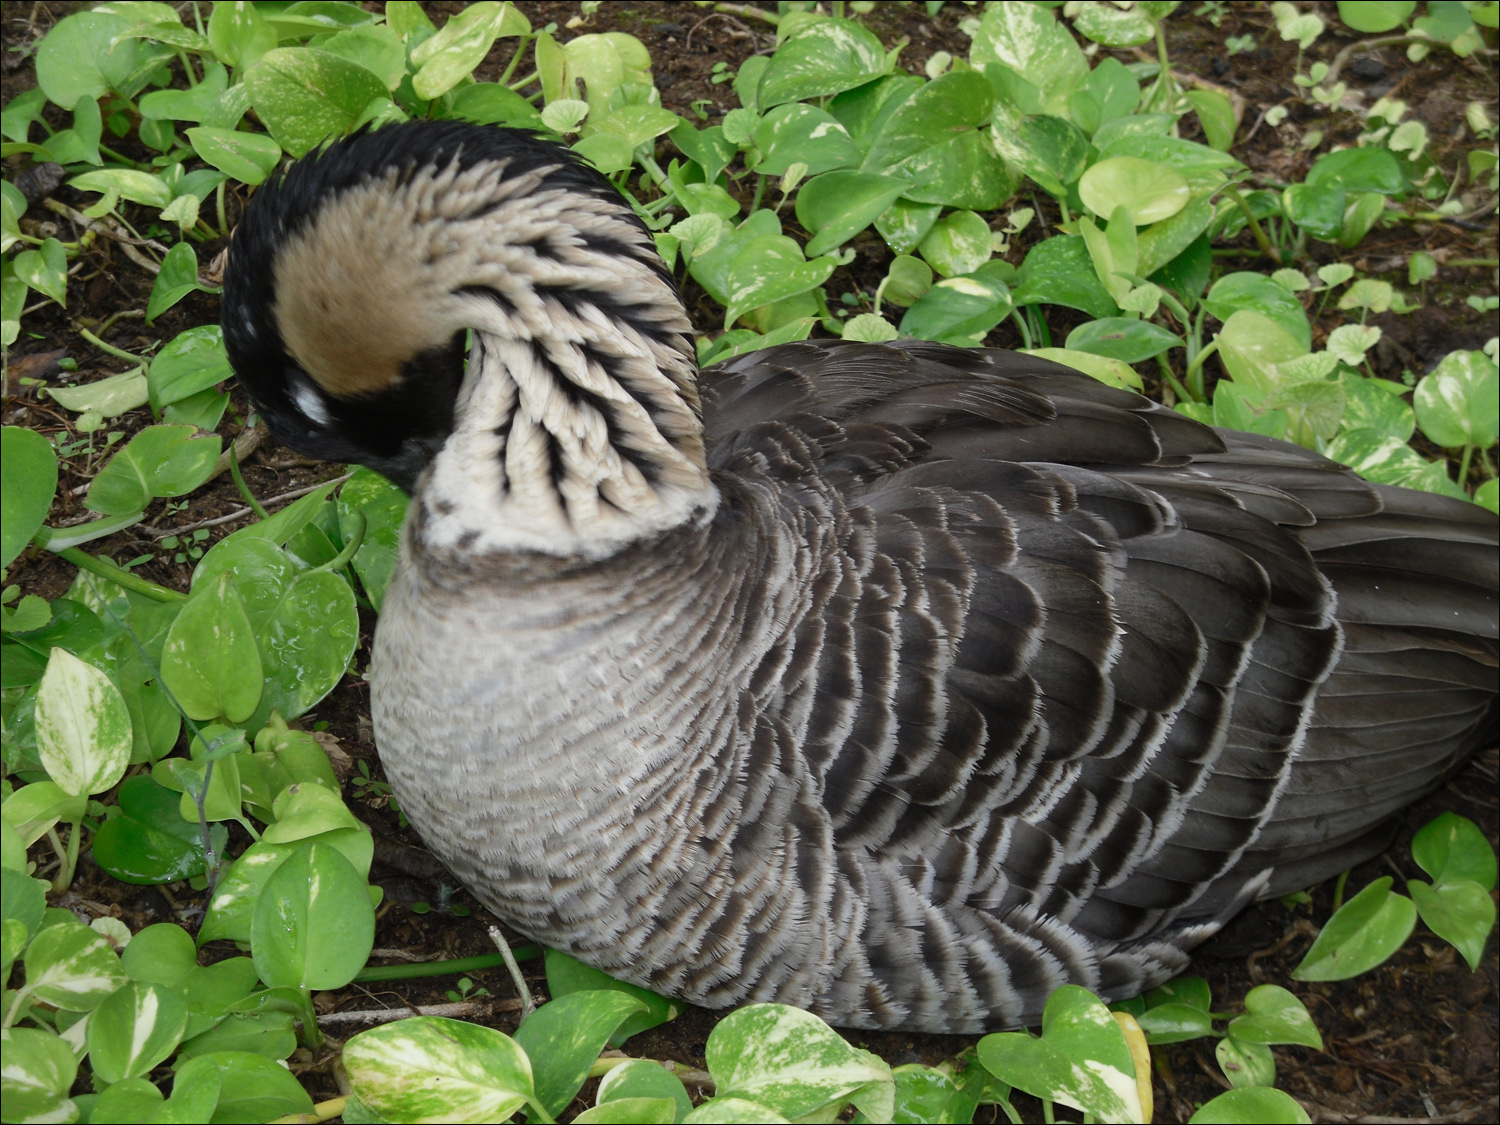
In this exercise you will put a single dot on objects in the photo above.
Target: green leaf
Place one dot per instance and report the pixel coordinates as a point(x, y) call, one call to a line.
point(958, 243)
point(430, 1069)
point(79, 58)
point(1257, 292)
point(836, 206)
point(178, 278)
point(1452, 849)
point(271, 1034)
point(904, 224)
point(1027, 39)
point(1273, 1015)
point(233, 905)
point(378, 49)
point(733, 1111)
point(1460, 912)
point(638, 124)
point(72, 967)
point(1104, 368)
point(631, 1111)
point(1255, 1105)
point(1149, 192)
point(1162, 243)
point(187, 105)
point(961, 310)
point(28, 467)
point(1081, 1060)
point(1363, 933)
point(1216, 115)
point(488, 103)
point(1371, 17)
point(1317, 209)
point(644, 1078)
point(1174, 1023)
point(1459, 402)
point(305, 95)
point(1113, 27)
point(384, 507)
point(34, 808)
point(792, 1062)
point(82, 726)
point(800, 133)
point(826, 57)
point(769, 269)
point(39, 1072)
point(1251, 344)
point(1244, 1063)
point(314, 926)
point(45, 269)
point(1368, 407)
point(1059, 271)
point(1314, 409)
point(1051, 150)
point(159, 461)
point(1123, 338)
point(1358, 169)
point(210, 661)
point(566, 975)
point(239, 35)
point(161, 954)
point(708, 148)
point(564, 1037)
point(128, 183)
point(109, 397)
point(450, 56)
point(247, 157)
point(135, 1029)
point(1114, 251)
point(251, 1087)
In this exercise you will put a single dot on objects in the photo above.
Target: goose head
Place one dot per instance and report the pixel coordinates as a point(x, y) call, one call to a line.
point(480, 317)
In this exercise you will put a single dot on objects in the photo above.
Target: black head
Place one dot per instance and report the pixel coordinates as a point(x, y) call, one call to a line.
point(338, 319)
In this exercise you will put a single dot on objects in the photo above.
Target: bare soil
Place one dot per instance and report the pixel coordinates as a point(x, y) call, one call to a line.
point(1413, 1040)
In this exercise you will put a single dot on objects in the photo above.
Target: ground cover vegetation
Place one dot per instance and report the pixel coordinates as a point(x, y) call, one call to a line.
point(1058, 181)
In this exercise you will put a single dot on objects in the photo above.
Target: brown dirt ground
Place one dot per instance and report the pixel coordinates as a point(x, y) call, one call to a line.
point(1414, 1040)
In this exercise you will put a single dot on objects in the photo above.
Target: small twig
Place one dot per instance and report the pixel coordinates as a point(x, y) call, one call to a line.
point(1380, 41)
point(240, 513)
point(1236, 101)
point(244, 445)
point(1471, 1113)
point(127, 244)
point(749, 10)
point(457, 1010)
point(528, 1005)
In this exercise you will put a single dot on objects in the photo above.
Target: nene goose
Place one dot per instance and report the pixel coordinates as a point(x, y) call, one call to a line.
point(901, 682)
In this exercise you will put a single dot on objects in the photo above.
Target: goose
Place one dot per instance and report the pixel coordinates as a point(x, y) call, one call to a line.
point(900, 682)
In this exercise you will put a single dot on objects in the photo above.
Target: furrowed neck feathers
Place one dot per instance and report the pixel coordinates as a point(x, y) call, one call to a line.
point(576, 426)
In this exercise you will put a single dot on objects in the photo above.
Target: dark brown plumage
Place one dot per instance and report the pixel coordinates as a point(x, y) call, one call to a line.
point(914, 683)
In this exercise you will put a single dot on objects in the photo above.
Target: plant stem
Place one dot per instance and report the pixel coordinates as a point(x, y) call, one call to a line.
point(113, 155)
point(528, 1005)
point(1020, 323)
point(1463, 467)
point(23, 994)
point(323, 1111)
point(1460, 263)
point(510, 67)
point(118, 575)
point(374, 973)
point(351, 547)
point(110, 348)
point(521, 83)
point(1194, 373)
point(1338, 891)
point(1182, 392)
point(219, 201)
point(239, 482)
point(749, 10)
point(1255, 229)
point(71, 866)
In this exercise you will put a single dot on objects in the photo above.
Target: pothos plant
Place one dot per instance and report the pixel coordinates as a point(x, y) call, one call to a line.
point(143, 720)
